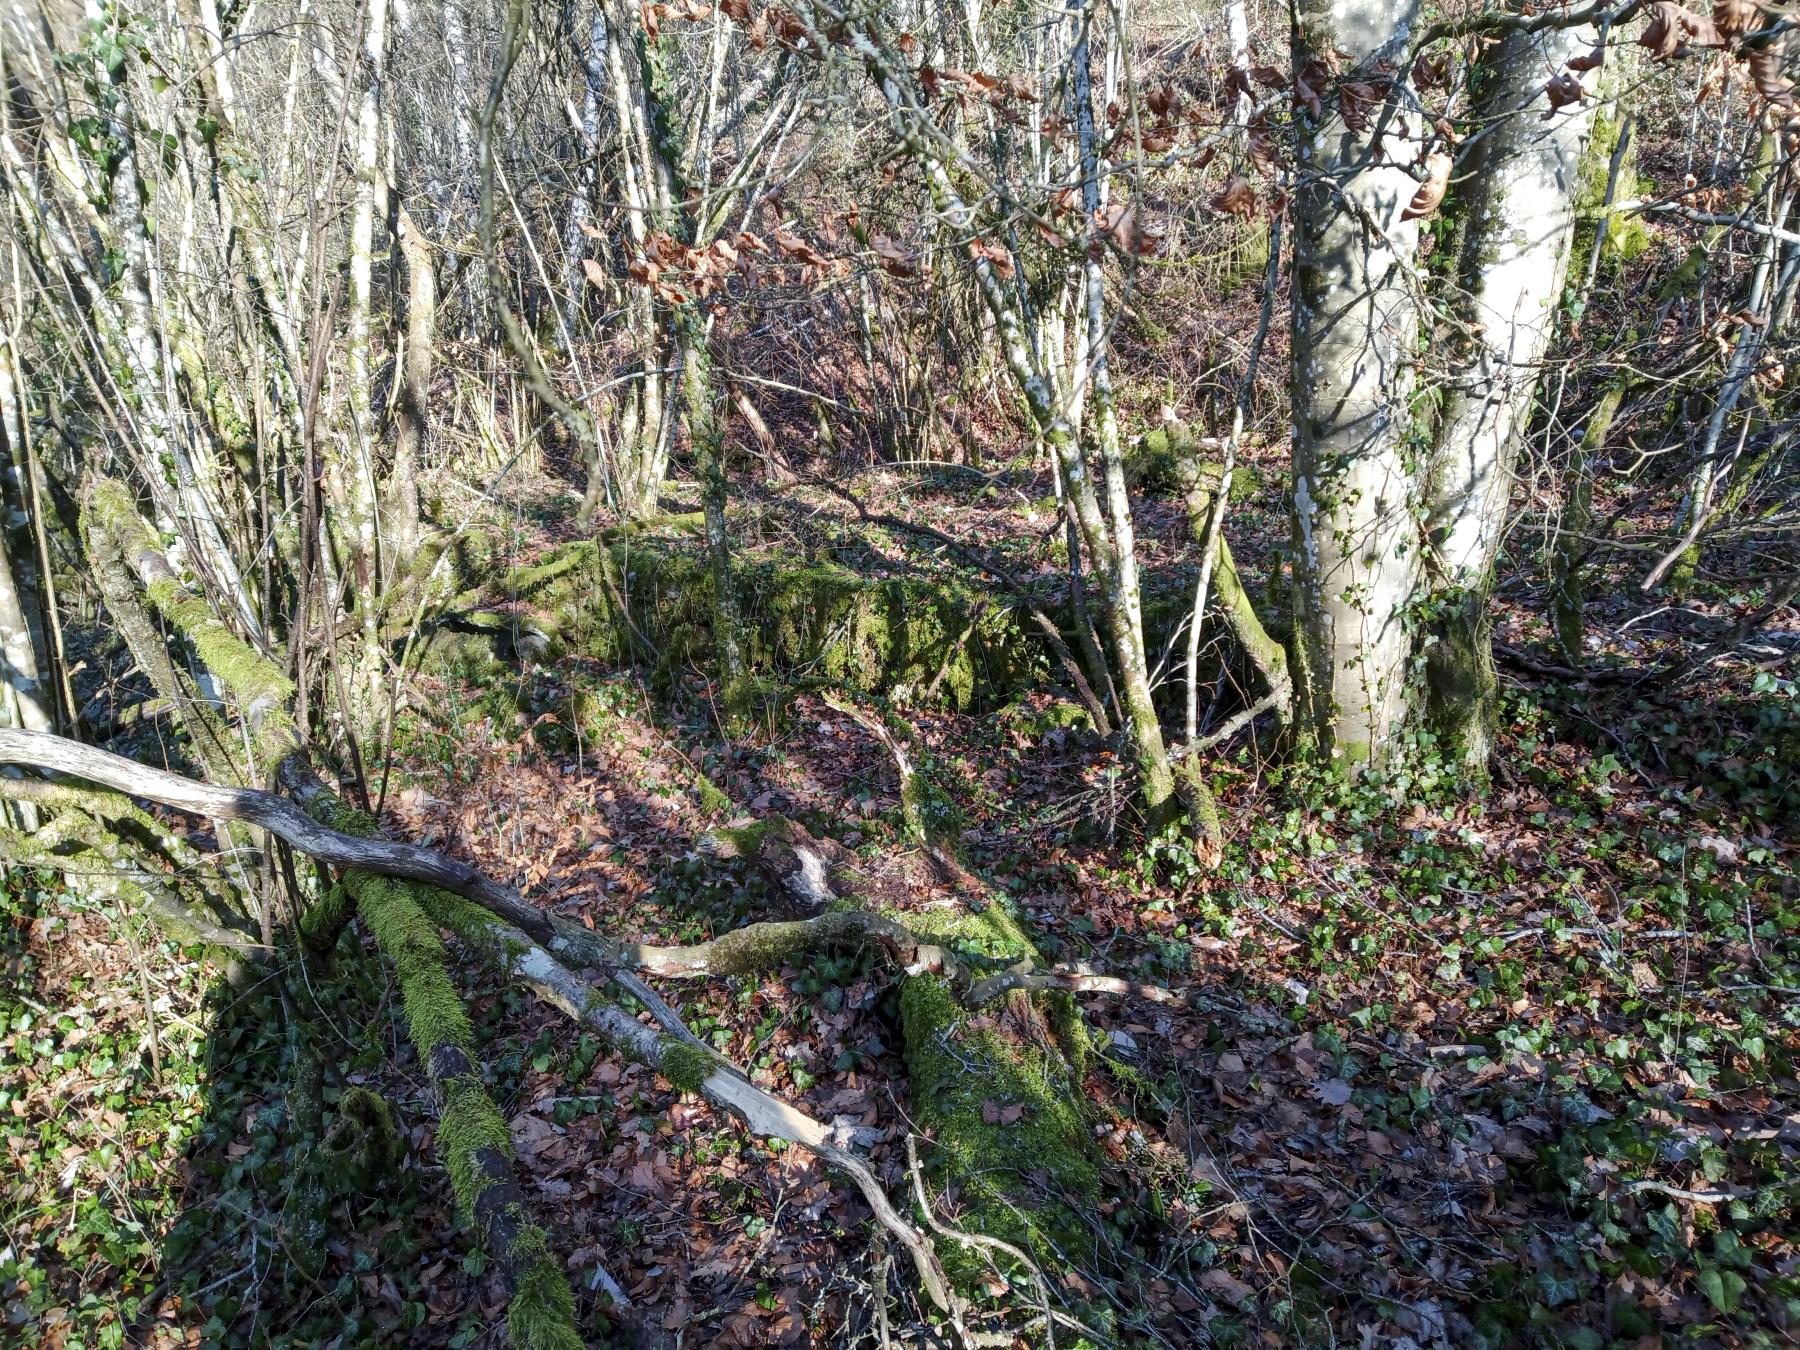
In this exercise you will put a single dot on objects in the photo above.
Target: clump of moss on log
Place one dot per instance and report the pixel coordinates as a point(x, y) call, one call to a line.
point(262, 690)
point(687, 1066)
point(1001, 1096)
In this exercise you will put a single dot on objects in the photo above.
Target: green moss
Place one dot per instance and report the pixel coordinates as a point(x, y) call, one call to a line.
point(987, 936)
point(361, 1145)
point(541, 1315)
point(469, 1124)
point(738, 841)
point(1035, 723)
point(434, 1012)
point(686, 1066)
point(261, 689)
point(1026, 1180)
point(324, 922)
point(713, 800)
point(920, 639)
point(471, 1129)
point(1627, 237)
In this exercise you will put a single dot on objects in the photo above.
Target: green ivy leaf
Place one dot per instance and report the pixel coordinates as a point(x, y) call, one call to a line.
point(1723, 1288)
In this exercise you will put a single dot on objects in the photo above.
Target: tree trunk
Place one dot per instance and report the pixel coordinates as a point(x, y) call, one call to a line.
point(1354, 338)
point(1519, 226)
point(356, 472)
point(412, 420)
point(1117, 544)
point(27, 698)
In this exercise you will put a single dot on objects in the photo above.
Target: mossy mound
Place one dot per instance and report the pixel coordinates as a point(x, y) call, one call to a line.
point(923, 641)
point(1154, 463)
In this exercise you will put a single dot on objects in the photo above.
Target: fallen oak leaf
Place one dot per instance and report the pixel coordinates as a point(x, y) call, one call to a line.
point(1332, 1091)
point(1221, 1282)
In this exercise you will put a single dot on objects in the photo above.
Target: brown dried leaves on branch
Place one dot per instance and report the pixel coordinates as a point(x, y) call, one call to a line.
point(1734, 18)
point(1673, 31)
point(1237, 198)
point(1564, 90)
point(1119, 223)
point(1771, 84)
point(996, 255)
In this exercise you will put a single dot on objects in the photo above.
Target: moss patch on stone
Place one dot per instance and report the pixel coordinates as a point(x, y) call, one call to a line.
point(927, 640)
point(472, 1137)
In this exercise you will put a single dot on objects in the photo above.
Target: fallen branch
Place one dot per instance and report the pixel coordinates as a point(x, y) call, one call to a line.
point(1276, 698)
point(1717, 1197)
point(692, 1070)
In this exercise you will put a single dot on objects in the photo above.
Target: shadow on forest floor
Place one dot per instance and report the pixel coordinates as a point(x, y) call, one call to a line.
point(1444, 1073)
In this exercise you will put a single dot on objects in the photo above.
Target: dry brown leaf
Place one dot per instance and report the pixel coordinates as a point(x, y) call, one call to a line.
point(1563, 90)
point(1431, 192)
point(891, 256)
point(595, 273)
point(1356, 100)
point(1589, 61)
point(1765, 73)
point(994, 254)
point(1221, 1282)
point(1673, 31)
point(1734, 18)
point(1236, 198)
point(1428, 72)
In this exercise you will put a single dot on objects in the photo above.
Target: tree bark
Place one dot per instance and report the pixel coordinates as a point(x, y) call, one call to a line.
point(1355, 323)
point(1519, 229)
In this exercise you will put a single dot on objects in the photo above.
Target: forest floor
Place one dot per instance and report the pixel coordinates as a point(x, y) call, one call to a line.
point(1501, 1071)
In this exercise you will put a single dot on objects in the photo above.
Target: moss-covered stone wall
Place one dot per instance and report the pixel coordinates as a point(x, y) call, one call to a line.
point(933, 640)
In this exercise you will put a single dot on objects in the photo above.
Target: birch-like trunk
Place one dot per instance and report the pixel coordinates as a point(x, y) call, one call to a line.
point(1118, 543)
point(1355, 326)
point(1519, 228)
point(25, 696)
point(412, 418)
point(1106, 530)
point(581, 206)
point(356, 467)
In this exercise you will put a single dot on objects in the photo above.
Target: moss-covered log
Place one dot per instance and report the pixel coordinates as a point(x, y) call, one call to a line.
point(688, 1066)
point(472, 1139)
point(996, 1073)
